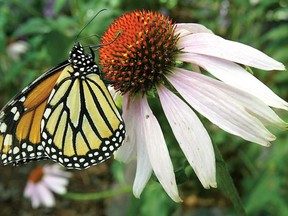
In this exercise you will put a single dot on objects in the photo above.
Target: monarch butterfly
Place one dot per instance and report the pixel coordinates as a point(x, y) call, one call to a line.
point(67, 115)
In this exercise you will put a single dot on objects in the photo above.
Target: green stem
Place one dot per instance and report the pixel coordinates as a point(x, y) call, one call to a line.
point(226, 184)
point(99, 195)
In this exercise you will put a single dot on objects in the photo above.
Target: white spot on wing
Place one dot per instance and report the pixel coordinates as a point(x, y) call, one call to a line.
point(16, 150)
point(44, 135)
point(42, 125)
point(22, 99)
point(117, 134)
point(51, 94)
point(16, 116)
point(14, 110)
point(47, 113)
point(60, 160)
point(47, 149)
point(29, 148)
point(3, 127)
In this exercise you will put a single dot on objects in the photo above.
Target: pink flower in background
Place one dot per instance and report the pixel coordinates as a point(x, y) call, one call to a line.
point(146, 60)
point(43, 181)
point(17, 48)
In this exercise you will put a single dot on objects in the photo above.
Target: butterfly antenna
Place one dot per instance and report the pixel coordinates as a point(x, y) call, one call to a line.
point(89, 23)
point(106, 44)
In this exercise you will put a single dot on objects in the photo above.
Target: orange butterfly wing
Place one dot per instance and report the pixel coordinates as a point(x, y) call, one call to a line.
point(20, 120)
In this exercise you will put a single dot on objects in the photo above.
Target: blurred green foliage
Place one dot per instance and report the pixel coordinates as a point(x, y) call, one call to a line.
point(260, 174)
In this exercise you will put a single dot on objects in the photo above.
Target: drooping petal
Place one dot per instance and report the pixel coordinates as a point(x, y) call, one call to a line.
point(144, 168)
point(235, 76)
point(185, 29)
point(35, 198)
point(213, 45)
point(134, 142)
point(157, 150)
point(31, 192)
point(45, 195)
point(127, 151)
point(57, 170)
point(252, 104)
point(28, 190)
point(56, 184)
point(191, 136)
point(209, 98)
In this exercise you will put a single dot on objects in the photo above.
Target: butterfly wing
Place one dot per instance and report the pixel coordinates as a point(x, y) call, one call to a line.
point(20, 120)
point(81, 125)
point(67, 115)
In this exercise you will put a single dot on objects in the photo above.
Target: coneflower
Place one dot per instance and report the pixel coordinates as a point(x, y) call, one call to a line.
point(147, 56)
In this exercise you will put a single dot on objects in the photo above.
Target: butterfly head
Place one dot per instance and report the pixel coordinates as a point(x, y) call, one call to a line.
point(82, 62)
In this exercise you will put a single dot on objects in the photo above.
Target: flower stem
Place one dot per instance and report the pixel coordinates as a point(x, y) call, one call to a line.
point(226, 184)
point(99, 195)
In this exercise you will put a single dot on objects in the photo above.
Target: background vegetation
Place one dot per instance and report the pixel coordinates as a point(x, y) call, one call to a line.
point(49, 29)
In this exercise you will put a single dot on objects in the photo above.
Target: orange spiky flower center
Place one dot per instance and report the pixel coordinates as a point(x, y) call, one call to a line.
point(36, 175)
point(138, 49)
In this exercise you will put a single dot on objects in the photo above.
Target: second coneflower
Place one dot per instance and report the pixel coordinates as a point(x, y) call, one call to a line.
point(147, 55)
point(43, 181)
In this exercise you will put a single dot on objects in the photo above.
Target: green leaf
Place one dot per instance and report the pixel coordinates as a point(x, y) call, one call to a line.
point(33, 26)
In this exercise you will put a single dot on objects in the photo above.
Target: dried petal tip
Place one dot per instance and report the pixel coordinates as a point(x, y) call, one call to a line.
point(140, 48)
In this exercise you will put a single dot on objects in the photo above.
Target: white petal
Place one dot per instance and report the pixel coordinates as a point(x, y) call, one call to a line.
point(252, 104)
point(237, 77)
point(144, 168)
point(112, 91)
point(127, 151)
point(213, 45)
point(185, 29)
point(45, 195)
point(191, 136)
point(56, 184)
point(56, 169)
point(157, 150)
point(31, 192)
point(35, 200)
point(143, 171)
point(207, 96)
point(29, 189)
